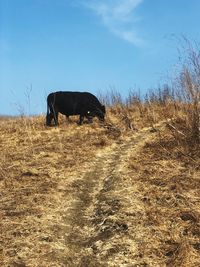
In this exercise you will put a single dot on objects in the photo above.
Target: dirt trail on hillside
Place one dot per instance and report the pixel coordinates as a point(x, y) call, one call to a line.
point(103, 222)
point(87, 196)
point(91, 216)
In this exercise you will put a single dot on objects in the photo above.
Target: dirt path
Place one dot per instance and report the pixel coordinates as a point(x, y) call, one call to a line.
point(64, 205)
point(92, 216)
point(101, 222)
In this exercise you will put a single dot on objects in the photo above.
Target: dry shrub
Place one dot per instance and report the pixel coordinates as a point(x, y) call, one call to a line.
point(179, 104)
point(186, 122)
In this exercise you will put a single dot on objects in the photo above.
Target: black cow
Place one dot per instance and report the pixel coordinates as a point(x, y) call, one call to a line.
point(73, 103)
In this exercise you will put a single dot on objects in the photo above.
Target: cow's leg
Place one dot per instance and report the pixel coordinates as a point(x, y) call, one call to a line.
point(49, 118)
point(67, 118)
point(81, 119)
point(56, 117)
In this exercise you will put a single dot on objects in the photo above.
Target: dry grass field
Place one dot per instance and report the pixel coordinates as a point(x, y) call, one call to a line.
point(123, 193)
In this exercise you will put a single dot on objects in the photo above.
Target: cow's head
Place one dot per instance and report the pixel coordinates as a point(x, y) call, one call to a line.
point(100, 112)
point(103, 109)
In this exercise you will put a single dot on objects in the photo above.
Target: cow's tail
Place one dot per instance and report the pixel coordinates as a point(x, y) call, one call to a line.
point(48, 107)
point(48, 112)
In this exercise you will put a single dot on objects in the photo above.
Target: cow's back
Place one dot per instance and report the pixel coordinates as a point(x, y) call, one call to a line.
point(73, 103)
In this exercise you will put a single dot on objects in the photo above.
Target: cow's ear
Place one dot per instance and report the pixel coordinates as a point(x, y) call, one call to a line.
point(103, 108)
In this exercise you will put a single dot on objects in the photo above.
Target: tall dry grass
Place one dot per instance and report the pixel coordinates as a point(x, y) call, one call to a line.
point(188, 83)
point(178, 104)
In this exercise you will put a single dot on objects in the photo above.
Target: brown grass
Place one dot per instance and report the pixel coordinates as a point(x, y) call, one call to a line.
point(35, 161)
point(169, 181)
point(110, 194)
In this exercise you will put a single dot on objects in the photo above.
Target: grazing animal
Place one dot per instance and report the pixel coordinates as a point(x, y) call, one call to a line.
point(73, 103)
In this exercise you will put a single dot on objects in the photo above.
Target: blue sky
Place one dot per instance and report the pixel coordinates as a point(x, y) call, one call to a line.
point(88, 45)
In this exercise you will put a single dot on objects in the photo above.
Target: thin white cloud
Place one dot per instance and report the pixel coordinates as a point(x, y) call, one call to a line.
point(118, 17)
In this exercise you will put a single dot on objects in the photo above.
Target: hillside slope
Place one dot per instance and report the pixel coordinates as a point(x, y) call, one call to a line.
point(95, 196)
